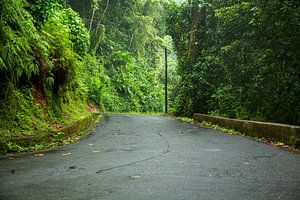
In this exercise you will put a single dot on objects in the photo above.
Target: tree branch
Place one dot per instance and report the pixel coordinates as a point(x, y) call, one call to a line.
point(102, 16)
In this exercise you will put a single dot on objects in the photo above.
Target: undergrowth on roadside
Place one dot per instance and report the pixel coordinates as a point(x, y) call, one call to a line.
point(52, 139)
point(55, 141)
point(291, 146)
point(220, 128)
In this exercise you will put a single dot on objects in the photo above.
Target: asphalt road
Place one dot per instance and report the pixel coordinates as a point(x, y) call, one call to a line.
point(147, 157)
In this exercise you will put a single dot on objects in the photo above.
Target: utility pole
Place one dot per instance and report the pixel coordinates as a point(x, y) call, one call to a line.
point(166, 80)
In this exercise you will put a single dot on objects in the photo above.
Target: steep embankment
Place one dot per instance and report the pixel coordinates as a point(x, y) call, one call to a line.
point(42, 83)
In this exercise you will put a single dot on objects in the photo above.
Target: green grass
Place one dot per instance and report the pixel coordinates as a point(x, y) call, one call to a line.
point(185, 119)
point(221, 128)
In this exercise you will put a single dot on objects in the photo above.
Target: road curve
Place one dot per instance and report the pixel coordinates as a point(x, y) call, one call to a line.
point(148, 157)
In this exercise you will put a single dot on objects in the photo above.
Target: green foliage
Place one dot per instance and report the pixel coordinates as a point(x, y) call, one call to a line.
point(41, 68)
point(65, 24)
point(78, 33)
point(68, 39)
point(19, 41)
point(49, 70)
point(294, 141)
point(220, 128)
point(136, 87)
point(185, 119)
point(41, 10)
point(238, 58)
point(12, 147)
point(127, 37)
point(95, 79)
point(18, 112)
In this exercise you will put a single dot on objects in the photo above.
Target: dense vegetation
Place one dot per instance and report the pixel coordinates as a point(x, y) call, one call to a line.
point(238, 58)
point(40, 65)
point(59, 59)
point(128, 39)
point(55, 64)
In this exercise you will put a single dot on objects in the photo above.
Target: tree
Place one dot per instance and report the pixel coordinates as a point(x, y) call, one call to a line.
point(242, 58)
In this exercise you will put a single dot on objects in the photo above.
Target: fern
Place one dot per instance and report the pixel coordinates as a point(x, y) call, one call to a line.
point(18, 37)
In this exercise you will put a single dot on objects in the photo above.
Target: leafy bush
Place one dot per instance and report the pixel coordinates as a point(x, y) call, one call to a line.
point(95, 79)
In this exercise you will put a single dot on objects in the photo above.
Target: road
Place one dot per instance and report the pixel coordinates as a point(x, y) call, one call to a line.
point(149, 157)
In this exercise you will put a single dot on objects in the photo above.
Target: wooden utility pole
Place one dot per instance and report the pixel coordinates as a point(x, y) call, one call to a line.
point(166, 80)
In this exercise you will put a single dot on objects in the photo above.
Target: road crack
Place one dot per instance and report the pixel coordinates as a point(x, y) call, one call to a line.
point(143, 160)
point(166, 141)
point(127, 164)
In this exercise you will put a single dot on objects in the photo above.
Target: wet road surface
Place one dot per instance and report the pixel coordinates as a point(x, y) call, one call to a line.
point(147, 157)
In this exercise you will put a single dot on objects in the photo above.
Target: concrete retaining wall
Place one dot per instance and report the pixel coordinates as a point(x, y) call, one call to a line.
point(79, 125)
point(280, 132)
point(31, 140)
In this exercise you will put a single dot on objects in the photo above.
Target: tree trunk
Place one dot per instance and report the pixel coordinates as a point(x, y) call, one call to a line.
point(102, 16)
point(195, 25)
point(92, 19)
